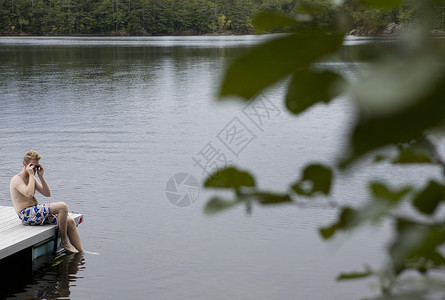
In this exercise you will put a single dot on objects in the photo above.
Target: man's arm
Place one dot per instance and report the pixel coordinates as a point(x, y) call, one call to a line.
point(26, 190)
point(42, 186)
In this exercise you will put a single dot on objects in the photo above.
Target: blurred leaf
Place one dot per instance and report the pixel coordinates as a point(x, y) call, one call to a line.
point(423, 109)
point(386, 4)
point(410, 295)
point(316, 179)
point(395, 85)
point(272, 198)
point(384, 200)
point(381, 157)
point(267, 63)
point(265, 21)
point(328, 232)
point(217, 205)
point(421, 151)
point(415, 241)
point(438, 131)
point(312, 7)
point(416, 152)
point(411, 156)
point(380, 191)
point(353, 275)
point(428, 199)
point(230, 178)
point(424, 283)
point(348, 219)
point(309, 87)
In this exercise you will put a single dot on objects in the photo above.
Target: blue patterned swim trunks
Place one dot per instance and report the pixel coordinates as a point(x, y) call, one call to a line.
point(37, 215)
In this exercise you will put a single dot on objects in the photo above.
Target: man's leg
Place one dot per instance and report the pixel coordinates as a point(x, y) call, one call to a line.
point(61, 210)
point(73, 234)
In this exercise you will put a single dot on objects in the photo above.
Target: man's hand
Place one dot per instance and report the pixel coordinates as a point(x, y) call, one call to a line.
point(40, 171)
point(42, 186)
point(30, 169)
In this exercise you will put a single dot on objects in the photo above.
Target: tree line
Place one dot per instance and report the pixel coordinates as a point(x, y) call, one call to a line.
point(164, 17)
point(154, 17)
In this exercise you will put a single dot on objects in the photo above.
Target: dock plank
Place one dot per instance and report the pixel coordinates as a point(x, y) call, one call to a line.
point(15, 237)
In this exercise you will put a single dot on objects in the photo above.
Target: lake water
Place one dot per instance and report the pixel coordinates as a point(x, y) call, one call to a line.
point(116, 118)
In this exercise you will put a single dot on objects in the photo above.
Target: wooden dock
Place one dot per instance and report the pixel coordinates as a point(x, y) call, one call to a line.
point(26, 242)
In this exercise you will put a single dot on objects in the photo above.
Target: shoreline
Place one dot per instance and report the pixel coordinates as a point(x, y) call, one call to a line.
point(356, 32)
point(390, 29)
point(10, 34)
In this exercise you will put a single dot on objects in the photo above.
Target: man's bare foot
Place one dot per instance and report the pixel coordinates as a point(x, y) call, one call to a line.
point(68, 247)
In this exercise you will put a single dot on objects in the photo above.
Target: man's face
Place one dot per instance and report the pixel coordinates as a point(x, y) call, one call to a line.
point(35, 163)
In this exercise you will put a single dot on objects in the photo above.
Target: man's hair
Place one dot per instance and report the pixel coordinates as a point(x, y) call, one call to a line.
point(31, 155)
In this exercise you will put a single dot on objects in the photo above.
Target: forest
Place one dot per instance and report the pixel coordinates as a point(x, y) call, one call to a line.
point(181, 17)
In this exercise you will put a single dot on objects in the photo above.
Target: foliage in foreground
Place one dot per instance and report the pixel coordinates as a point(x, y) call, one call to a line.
point(401, 112)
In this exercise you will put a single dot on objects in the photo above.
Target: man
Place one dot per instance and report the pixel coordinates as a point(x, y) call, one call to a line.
point(23, 187)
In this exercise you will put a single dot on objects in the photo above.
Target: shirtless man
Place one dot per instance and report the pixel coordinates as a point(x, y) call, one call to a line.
point(23, 187)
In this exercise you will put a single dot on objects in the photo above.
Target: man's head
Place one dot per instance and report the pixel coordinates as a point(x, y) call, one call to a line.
point(31, 157)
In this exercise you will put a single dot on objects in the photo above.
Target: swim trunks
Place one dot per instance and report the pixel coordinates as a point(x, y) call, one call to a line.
point(37, 215)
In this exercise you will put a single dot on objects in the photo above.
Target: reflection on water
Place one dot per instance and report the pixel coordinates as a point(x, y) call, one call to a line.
point(51, 279)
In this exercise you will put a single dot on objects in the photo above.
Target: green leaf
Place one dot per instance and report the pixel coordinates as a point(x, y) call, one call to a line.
point(409, 114)
point(416, 152)
point(348, 219)
point(265, 21)
point(381, 192)
point(230, 177)
point(428, 199)
point(386, 4)
point(328, 232)
point(267, 63)
point(316, 179)
point(410, 156)
point(309, 87)
point(353, 275)
point(396, 85)
point(421, 151)
point(417, 241)
point(217, 205)
point(314, 8)
point(384, 200)
point(266, 198)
